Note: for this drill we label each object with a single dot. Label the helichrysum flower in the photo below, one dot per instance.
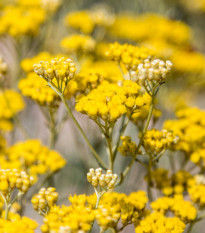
(32, 156)
(174, 204)
(13, 178)
(78, 44)
(156, 141)
(109, 101)
(19, 21)
(128, 147)
(58, 71)
(11, 103)
(100, 181)
(157, 222)
(37, 89)
(21, 225)
(74, 218)
(44, 200)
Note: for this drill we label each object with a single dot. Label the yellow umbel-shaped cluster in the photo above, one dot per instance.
(44, 200)
(157, 222)
(174, 204)
(128, 147)
(128, 55)
(58, 69)
(109, 101)
(13, 178)
(32, 156)
(156, 141)
(101, 181)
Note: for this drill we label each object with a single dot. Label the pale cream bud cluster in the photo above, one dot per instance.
(13, 178)
(3, 68)
(59, 68)
(103, 181)
(152, 70)
(44, 200)
(200, 179)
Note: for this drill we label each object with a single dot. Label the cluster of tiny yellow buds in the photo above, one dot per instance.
(128, 147)
(13, 178)
(130, 56)
(156, 141)
(151, 70)
(3, 68)
(174, 204)
(44, 200)
(59, 68)
(103, 181)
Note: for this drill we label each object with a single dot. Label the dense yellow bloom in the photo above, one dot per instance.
(80, 20)
(128, 147)
(86, 21)
(13, 178)
(158, 223)
(114, 207)
(11, 103)
(37, 89)
(44, 200)
(150, 26)
(79, 44)
(128, 55)
(196, 190)
(174, 184)
(21, 225)
(20, 21)
(32, 156)
(156, 141)
(109, 101)
(189, 127)
(57, 72)
(74, 218)
(175, 204)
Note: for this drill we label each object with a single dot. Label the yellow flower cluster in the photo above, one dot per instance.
(21, 225)
(189, 127)
(44, 200)
(156, 141)
(109, 101)
(37, 89)
(196, 190)
(114, 207)
(3, 68)
(158, 223)
(174, 204)
(128, 147)
(128, 55)
(32, 156)
(101, 181)
(87, 21)
(58, 70)
(176, 184)
(78, 217)
(198, 156)
(78, 44)
(160, 28)
(20, 21)
(13, 178)
(11, 103)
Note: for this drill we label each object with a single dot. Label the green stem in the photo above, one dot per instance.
(97, 157)
(53, 130)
